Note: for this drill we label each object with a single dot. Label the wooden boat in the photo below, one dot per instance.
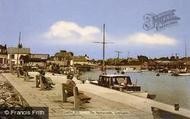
(122, 83)
(183, 72)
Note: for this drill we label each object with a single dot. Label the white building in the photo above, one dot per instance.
(15, 53)
(39, 56)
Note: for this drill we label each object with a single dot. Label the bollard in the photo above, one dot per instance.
(76, 98)
(64, 93)
(176, 107)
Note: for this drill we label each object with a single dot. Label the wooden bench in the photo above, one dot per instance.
(23, 74)
(79, 97)
(26, 76)
(43, 82)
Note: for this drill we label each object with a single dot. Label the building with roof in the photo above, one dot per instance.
(15, 53)
(39, 57)
(81, 60)
(63, 58)
(3, 54)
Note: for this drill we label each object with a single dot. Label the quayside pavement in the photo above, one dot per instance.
(105, 103)
(98, 108)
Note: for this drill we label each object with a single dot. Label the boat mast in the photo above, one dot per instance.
(186, 59)
(185, 49)
(103, 48)
(118, 54)
(104, 42)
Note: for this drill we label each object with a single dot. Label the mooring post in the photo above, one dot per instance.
(76, 98)
(176, 107)
(64, 93)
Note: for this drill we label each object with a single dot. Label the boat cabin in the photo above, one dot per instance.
(117, 81)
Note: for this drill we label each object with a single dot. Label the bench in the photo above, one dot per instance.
(23, 74)
(43, 82)
(79, 97)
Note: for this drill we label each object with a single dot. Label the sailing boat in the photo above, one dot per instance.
(183, 72)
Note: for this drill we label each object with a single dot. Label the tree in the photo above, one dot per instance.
(172, 58)
(142, 58)
(164, 58)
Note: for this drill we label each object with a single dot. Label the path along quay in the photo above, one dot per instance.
(104, 104)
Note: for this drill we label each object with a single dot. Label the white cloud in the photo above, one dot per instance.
(65, 32)
(150, 39)
(71, 32)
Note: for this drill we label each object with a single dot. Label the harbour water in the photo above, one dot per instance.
(168, 89)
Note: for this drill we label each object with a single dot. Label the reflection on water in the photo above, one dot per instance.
(168, 89)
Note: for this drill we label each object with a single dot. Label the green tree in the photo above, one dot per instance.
(142, 58)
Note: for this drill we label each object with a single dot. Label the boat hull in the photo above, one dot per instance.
(184, 74)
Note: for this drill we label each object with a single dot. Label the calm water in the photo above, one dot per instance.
(168, 89)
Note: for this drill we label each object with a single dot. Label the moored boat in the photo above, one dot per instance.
(182, 72)
(131, 70)
(121, 82)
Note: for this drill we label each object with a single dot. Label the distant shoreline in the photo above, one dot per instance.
(123, 66)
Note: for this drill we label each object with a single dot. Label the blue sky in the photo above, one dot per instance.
(48, 26)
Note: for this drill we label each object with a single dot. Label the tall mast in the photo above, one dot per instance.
(118, 53)
(185, 49)
(186, 59)
(19, 39)
(104, 48)
(104, 42)
(19, 45)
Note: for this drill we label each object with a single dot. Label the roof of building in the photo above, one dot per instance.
(80, 59)
(63, 54)
(15, 50)
(40, 56)
(3, 47)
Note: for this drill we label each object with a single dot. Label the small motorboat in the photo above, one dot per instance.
(131, 70)
(180, 73)
(121, 82)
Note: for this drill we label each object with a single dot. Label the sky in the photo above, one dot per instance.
(48, 26)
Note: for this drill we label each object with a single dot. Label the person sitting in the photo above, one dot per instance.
(71, 84)
(46, 81)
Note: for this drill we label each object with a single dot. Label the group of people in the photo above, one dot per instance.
(48, 82)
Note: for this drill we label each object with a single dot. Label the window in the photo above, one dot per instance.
(12, 56)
